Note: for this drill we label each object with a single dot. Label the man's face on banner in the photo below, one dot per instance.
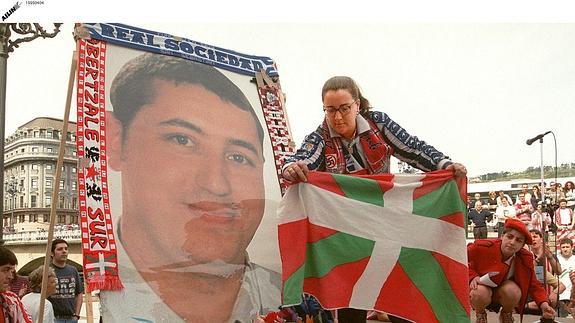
(192, 177)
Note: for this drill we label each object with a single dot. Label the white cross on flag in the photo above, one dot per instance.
(392, 243)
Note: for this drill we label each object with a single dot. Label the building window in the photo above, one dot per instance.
(35, 149)
(74, 169)
(49, 134)
(34, 218)
(36, 134)
(48, 183)
(74, 153)
(49, 167)
(21, 201)
(21, 218)
(74, 219)
(46, 218)
(34, 183)
(75, 203)
(61, 184)
(35, 167)
(49, 150)
(22, 167)
(32, 200)
(48, 201)
(61, 202)
(61, 218)
(74, 185)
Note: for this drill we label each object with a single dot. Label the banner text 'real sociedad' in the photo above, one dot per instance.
(176, 46)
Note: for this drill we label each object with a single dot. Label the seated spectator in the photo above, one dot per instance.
(502, 213)
(549, 269)
(32, 300)
(501, 275)
(479, 217)
(535, 196)
(569, 192)
(523, 210)
(554, 194)
(567, 262)
(564, 216)
(471, 203)
(503, 195)
(539, 218)
(492, 202)
(525, 192)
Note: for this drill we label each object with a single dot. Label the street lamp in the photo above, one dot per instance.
(12, 189)
(29, 32)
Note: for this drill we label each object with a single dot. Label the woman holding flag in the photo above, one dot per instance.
(355, 140)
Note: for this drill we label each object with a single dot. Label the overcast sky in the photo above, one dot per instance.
(475, 91)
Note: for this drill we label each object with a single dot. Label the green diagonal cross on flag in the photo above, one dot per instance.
(394, 243)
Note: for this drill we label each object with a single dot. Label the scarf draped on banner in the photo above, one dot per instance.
(98, 242)
(392, 243)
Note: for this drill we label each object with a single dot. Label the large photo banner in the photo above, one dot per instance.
(180, 144)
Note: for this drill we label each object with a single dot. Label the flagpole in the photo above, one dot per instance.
(59, 163)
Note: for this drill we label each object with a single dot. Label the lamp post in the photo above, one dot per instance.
(28, 32)
(12, 189)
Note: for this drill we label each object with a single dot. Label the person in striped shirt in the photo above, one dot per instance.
(355, 140)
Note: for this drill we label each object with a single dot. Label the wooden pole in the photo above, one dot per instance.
(56, 186)
(89, 305)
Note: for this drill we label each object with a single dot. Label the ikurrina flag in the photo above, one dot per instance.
(393, 243)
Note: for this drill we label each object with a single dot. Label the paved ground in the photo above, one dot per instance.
(494, 318)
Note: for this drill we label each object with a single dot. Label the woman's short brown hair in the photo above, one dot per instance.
(35, 278)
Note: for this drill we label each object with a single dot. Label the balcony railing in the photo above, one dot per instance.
(17, 155)
(27, 237)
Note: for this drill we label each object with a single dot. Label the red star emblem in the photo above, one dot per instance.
(91, 172)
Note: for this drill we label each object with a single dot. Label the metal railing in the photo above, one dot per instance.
(40, 236)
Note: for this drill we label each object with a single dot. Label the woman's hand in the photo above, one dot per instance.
(458, 168)
(296, 172)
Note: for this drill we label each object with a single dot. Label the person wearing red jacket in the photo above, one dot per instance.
(501, 274)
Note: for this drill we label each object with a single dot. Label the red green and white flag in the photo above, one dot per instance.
(392, 243)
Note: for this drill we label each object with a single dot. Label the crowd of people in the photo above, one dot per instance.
(540, 212)
(551, 210)
(20, 296)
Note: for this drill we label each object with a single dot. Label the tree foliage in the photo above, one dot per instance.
(564, 170)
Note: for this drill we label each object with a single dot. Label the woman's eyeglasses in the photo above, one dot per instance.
(343, 109)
